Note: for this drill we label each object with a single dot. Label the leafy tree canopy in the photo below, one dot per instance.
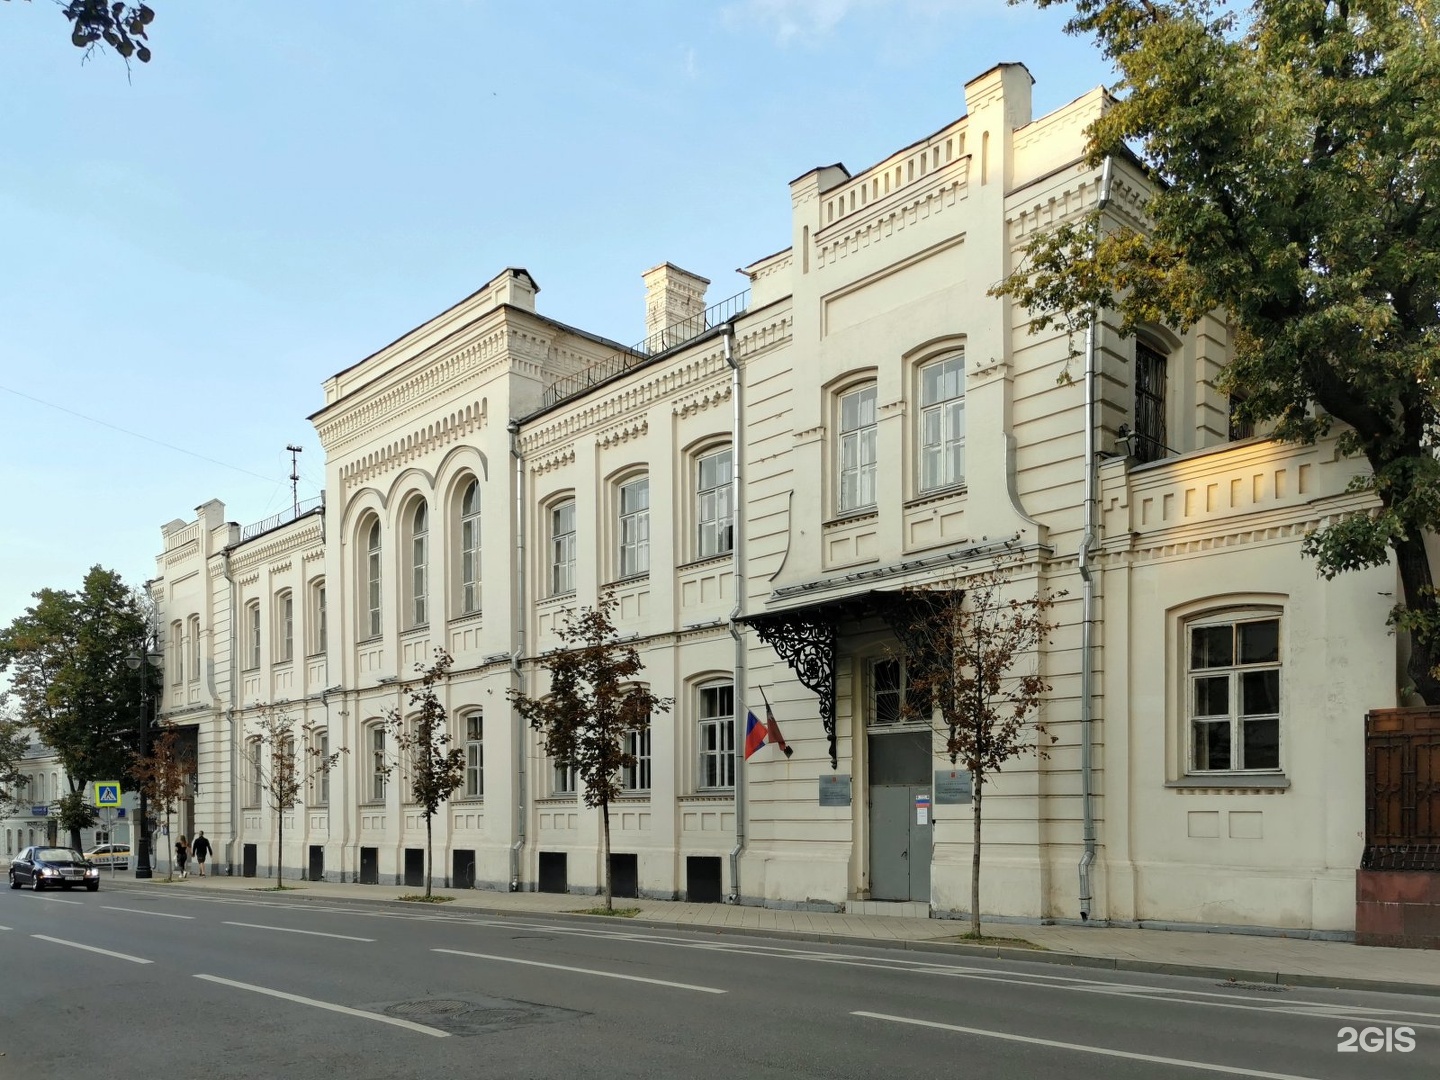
(1295, 148)
(119, 26)
(69, 681)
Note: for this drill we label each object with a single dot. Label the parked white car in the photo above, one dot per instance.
(108, 855)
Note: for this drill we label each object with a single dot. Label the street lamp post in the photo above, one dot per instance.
(142, 661)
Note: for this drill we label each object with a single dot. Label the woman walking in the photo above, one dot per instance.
(182, 852)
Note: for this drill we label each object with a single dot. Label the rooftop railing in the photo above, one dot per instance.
(249, 532)
(662, 341)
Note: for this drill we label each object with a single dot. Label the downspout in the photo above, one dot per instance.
(737, 555)
(234, 727)
(1087, 578)
(516, 674)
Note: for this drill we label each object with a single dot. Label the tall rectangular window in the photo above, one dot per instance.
(377, 764)
(635, 528)
(194, 648)
(857, 449)
(252, 768)
(253, 629)
(717, 736)
(419, 566)
(562, 779)
(372, 581)
(287, 626)
(317, 605)
(1234, 695)
(470, 549)
(562, 549)
(714, 510)
(636, 777)
(177, 654)
(474, 755)
(322, 780)
(942, 423)
(1150, 435)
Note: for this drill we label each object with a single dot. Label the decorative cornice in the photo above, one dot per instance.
(622, 433)
(699, 402)
(188, 550)
(460, 424)
(280, 544)
(559, 459)
(951, 184)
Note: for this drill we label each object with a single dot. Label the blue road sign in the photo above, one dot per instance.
(107, 793)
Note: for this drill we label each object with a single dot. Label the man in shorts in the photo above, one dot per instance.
(201, 850)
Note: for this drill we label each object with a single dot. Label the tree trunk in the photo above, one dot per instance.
(429, 855)
(975, 861)
(169, 850)
(1416, 582)
(279, 848)
(609, 895)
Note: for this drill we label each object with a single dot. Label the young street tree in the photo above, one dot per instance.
(593, 703)
(1293, 149)
(121, 26)
(163, 775)
(436, 770)
(965, 652)
(285, 771)
(70, 684)
(13, 743)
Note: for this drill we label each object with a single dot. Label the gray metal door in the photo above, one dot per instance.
(889, 843)
(919, 847)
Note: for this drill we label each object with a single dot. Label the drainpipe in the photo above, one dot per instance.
(1087, 578)
(516, 674)
(234, 727)
(737, 554)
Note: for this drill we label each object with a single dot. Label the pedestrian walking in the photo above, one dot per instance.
(182, 852)
(200, 848)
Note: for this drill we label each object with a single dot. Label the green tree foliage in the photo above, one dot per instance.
(971, 655)
(69, 681)
(13, 743)
(436, 769)
(287, 771)
(121, 27)
(594, 701)
(1295, 149)
(164, 775)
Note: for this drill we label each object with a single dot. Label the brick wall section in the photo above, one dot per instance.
(1398, 908)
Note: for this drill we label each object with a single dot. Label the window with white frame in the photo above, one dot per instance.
(378, 770)
(714, 503)
(372, 580)
(562, 548)
(857, 449)
(252, 630)
(474, 755)
(942, 423)
(634, 511)
(636, 776)
(321, 742)
(317, 616)
(194, 643)
(1150, 378)
(716, 714)
(470, 548)
(285, 615)
(562, 778)
(1233, 692)
(253, 780)
(177, 653)
(893, 701)
(419, 565)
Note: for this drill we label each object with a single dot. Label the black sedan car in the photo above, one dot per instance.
(47, 867)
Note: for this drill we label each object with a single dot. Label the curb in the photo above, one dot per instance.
(944, 948)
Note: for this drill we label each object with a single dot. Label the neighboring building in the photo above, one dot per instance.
(494, 468)
(30, 811)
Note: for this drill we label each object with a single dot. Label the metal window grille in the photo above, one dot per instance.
(1150, 431)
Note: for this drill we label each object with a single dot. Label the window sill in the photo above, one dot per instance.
(632, 797)
(556, 800)
(374, 639)
(1218, 782)
(717, 795)
(471, 800)
(724, 558)
(416, 630)
(850, 517)
(465, 617)
(937, 495)
(556, 598)
(633, 579)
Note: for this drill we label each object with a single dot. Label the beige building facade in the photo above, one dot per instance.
(757, 484)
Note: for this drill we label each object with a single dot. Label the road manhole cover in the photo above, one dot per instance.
(477, 1015)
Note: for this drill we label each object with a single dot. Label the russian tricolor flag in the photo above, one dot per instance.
(755, 732)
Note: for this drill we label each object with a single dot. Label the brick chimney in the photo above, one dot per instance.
(672, 296)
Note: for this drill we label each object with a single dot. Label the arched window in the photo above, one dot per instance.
(1150, 442)
(252, 630)
(942, 423)
(194, 648)
(716, 718)
(376, 764)
(474, 727)
(252, 770)
(177, 653)
(562, 548)
(285, 618)
(419, 565)
(634, 527)
(856, 450)
(372, 580)
(714, 503)
(470, 548)
(317, 616)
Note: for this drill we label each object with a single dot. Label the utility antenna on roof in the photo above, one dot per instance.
(295, 476)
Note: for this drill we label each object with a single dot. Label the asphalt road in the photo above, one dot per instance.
(144, 982)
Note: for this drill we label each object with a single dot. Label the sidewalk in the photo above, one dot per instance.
(1244, 957)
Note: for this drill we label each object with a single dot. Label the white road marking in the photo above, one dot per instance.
(583, 971)
(138, 911)
(4, 928)
(92, 948)
(288, 930)
(1105, 1051)
(396, 1021)
(55, 900)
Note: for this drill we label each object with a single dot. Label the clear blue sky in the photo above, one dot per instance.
(288, 186)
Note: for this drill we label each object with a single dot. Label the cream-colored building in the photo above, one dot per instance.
(757, 482)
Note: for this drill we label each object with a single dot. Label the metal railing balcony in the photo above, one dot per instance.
(249, 532)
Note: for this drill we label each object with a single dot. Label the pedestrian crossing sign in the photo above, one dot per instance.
(107, 793)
